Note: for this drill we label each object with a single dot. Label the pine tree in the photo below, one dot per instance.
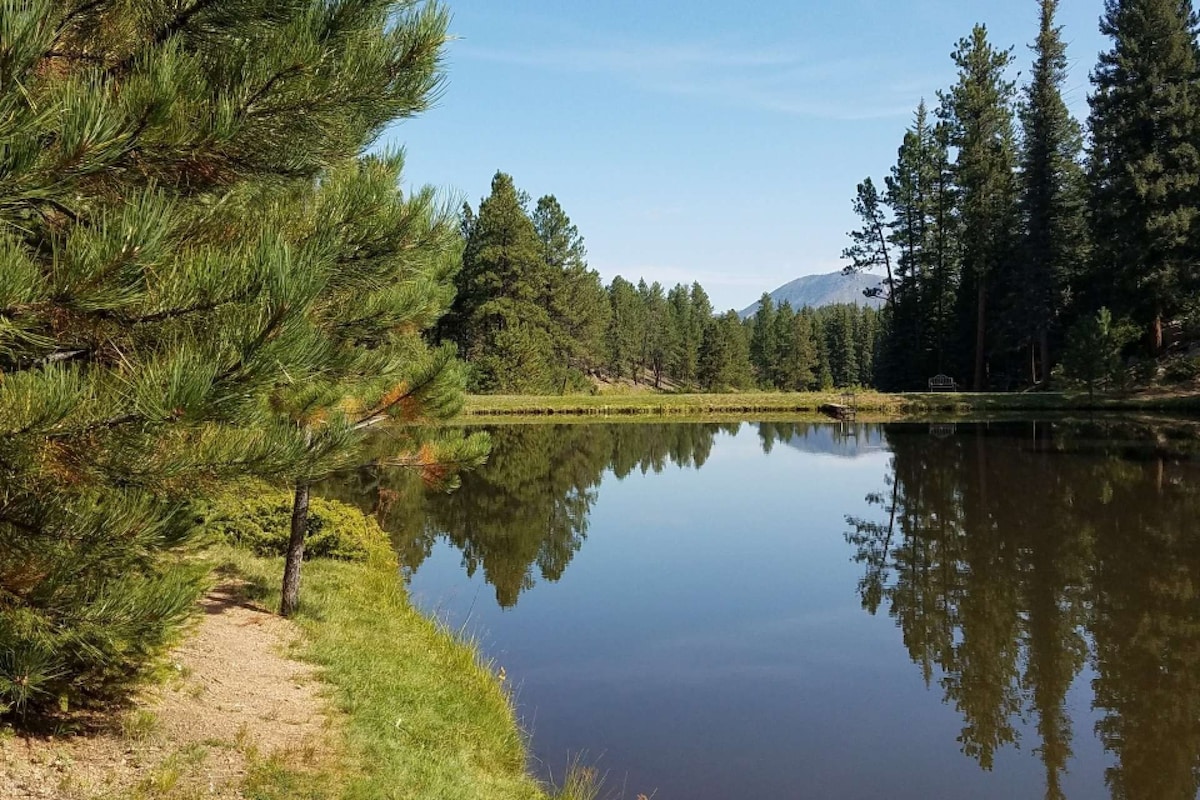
(576, 299)
(841, 345)
(1052, 196)
(764, 343)
(160, 277)
(912, 195)
(1145, 167)
(391, 264)
(683, 347)
(979, 111)
(656, 340)
(701, 320)
(869, 248)
(725, 355)
(946, 264)
(800, 363)
(499, 319)
(626, 330)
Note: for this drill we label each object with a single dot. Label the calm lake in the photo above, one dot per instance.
(765, 610)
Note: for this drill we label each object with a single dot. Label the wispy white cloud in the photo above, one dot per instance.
(787, 80)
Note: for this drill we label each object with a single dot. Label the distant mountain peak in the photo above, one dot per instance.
(815, 291)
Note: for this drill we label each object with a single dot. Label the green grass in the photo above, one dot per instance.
(426, 718)
(870, 404)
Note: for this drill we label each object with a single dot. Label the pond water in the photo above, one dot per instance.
(766, 610)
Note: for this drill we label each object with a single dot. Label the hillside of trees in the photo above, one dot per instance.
(1011, 242)
(530, 317)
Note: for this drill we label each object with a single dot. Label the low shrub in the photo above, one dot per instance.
(1181, 370)
(88, 599)
(260, 520)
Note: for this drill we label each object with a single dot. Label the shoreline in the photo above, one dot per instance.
(360, 695)
(872, 406)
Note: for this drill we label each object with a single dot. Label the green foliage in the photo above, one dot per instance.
(995, 246)
(979, 116)
(258, 519)
(1093, 352)
(185, 219)
(1145, 165)
(86, 642)
(1053, 199)
(765, 343)
(725, 355)
(626, 330)
(869, 245)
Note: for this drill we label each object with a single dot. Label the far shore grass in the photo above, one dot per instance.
(870, 404)
(426, 718)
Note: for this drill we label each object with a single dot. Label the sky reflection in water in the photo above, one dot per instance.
(784, 610)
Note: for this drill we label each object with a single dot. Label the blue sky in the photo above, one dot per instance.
(696, 140)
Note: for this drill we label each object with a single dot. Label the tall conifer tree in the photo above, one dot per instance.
(499, 318)
(979, 111)
(1052, 196)
(1145, 167)
(576, 300)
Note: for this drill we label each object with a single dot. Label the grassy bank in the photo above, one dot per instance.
(872, 404)
(425, 717)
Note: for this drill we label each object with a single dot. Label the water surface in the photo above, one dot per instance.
(774, 610)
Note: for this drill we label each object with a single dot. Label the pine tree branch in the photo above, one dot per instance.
(169, 314)
(21, 526)
(69, 55)
(70, 17)
(380, 414)
(262, 92)
(105, 425)
(59, 207)
(177, 24)
(263, 337)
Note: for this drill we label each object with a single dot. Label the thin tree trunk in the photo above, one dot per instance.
(295, 551)
(1156, 335)
(1044, 343)
(980, 335)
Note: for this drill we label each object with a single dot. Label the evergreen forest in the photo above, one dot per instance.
(530, 317)
(1017, 243)
(1016, 246)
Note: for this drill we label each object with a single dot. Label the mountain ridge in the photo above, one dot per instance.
(833, 288)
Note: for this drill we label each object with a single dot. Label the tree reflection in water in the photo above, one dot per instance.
(1010, 554)
(525, 513)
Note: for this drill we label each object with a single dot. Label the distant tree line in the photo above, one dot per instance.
(530, 317)
(999, 230)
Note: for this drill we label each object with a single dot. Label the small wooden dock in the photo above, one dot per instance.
(839, 412)
(846, 411)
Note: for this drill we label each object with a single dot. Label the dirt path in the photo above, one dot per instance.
(235, 699)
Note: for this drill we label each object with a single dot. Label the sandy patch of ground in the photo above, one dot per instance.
(235, 699)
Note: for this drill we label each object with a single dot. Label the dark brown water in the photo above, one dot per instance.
(1008, 610)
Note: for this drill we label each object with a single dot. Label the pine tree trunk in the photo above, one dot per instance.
(295, 552)
(980, 335)
(1156, 335)
(1044, 343)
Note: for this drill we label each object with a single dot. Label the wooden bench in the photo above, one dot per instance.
(942, 383)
